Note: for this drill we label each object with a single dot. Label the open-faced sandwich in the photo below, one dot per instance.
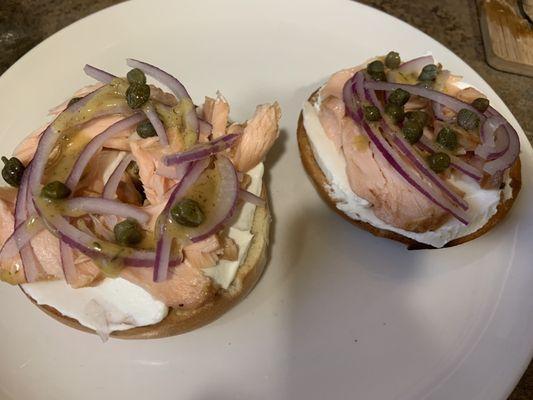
(135, 213)
(409, 152)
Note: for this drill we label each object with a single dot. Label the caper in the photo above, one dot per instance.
(376, 69)
(412, 131)
(73, 100)
(392, 60)
(136, 76)
(481, 104)
(128, 232)
(371, 113)
(418, 116)
(55, 190)
(137, 95)
(429, 73)
(188, 213)
(145, 129)
(399, 97)
(438, 162)
(395, 112)
(447, 138)
(467, 119)
(12, 171)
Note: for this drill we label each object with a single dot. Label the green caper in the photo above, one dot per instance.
(188, 213)
(137, 95)
(467, 119)
(412, 131)
(136, 76)
(128, 232)
(12, 171)
(55, 190)
(145, 129)
(74, 100)
(399, 97)
(371, 113)
(447, 138)
(418, 116)
(392, 60)
(376, 69)
(395, 112)
(481, 104)
(438, 162)
(429, 73)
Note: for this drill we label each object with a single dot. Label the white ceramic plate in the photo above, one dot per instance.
(338, 314)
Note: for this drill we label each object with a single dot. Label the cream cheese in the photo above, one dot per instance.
(483, 203)
(117, 304)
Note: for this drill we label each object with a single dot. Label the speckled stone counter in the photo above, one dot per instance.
(455, 23)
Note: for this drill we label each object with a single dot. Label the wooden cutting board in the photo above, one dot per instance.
(507, 35)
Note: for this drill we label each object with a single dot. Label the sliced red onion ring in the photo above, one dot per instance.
(202, 151)
(151, 114)
(390, 155)
(32, 268)
(225, 200)
(79, 206)
(251, 198)
(98, 74)
(22, 235)
(488, 130)
(67, 262)
(172, 83)
(415, 66)
(507, 159)
(164, 242)
(162, 257)
(439, 97)
(95, 144)
(467, 169)
(501, 145)
(111, 186)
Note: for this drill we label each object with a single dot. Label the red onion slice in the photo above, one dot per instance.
(439, 97)
(22, 235)
(251, 198)
(151, 114)
(427, 145)
(205, 128)
(95, 144)
(111, 186)
(225, 200)
(32, 269)
(394, 160)
(172, 83)
(507, 159)
(98, 74)
(164, 242)
(415, 66)
(79, 206)
(202, 151)
(67, 262)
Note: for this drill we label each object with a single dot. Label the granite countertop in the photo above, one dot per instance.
(455, 23)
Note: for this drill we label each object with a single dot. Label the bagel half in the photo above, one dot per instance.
(322, 186)
(180, 321)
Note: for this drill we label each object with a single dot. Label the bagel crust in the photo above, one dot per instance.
(180, 321)
(321, 185)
